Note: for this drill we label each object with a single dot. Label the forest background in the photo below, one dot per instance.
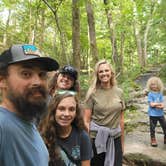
(131, 34)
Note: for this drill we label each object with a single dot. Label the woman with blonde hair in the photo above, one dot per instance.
(103, 116)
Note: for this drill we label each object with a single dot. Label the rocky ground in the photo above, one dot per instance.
(137, 148)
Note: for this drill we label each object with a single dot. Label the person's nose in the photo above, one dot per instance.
(66, 78)
(66, 112)
(105, 73)
(36, 79)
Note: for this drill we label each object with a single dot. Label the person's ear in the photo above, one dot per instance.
(2, 82)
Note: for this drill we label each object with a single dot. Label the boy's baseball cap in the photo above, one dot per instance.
(70, 70)
(26, 52)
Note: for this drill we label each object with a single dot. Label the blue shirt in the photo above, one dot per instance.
(155, 97)
(20, 142)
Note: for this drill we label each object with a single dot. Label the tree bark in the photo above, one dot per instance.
(142, 37)
(62, 40)
(92, 32)
(6, 29)
(114, 56)
(121, 53)
(31, 30)
(139, 44)
(76, 34)
(42, 25)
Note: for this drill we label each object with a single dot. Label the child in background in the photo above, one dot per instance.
(155, 109)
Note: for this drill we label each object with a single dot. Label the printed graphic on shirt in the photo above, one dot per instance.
(75, 155)
(76, 152)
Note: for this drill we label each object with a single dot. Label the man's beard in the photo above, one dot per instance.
(28, 107)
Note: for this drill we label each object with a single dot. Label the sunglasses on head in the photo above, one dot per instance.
(69, 69)
(61, 92)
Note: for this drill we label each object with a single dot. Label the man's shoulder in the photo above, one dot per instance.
(6, 119)
(3, 115)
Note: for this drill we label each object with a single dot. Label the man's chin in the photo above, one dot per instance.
(37, 98)
(28, 105)
(34, 112)
(33, 108)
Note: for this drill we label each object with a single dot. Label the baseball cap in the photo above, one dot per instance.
(26, 52)
(70, 70)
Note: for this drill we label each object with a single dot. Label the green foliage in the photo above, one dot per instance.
(127, 81)
(35, 16)
(162, 73)
(156, 59)
(126, 86)
(84, 82)
(129, 114)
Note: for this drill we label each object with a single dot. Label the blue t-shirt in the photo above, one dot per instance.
(155, 97)
(20, 142)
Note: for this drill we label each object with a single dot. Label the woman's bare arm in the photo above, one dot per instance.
(87, 118)
(85, 163)
(122, 129)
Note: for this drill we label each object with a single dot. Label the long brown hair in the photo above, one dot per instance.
(50, 130)
(52, 84)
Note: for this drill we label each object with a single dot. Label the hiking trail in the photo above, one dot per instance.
(137, 148)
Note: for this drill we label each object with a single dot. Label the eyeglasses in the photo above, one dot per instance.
(61, 92)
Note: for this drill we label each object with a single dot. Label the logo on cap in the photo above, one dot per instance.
(31, 50)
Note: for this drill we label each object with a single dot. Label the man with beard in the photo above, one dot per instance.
(23, 84)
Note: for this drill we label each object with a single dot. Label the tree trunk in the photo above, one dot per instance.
(42, 28)
(121, 53)
(31, 30)
(142, 37)
(114, 56)
(62, 40)
(92, 33)
(76, 34)
(145, 41)
(139, 44)
(6, 29)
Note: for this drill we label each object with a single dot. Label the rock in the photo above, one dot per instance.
(138, 142)
(137, 148)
